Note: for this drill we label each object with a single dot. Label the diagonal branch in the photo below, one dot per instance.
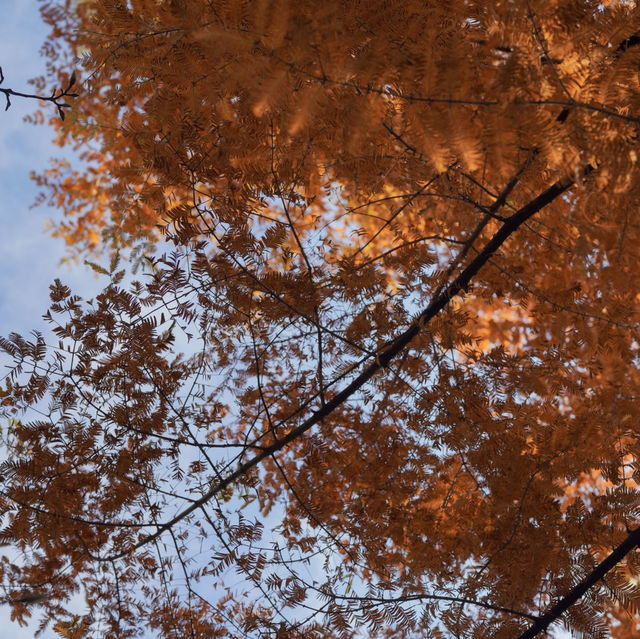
(556, 611)
(384, 357)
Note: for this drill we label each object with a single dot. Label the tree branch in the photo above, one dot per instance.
(555, 612)
(54, 98)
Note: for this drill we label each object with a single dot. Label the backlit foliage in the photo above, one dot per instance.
(387, 382)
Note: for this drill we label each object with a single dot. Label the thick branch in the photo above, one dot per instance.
(555, 612)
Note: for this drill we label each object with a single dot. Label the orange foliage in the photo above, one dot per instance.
(407, 256)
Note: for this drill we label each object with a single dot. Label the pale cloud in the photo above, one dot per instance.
(29, 258)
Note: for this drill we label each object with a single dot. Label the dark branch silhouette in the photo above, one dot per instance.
(56, 98)
(557, 610)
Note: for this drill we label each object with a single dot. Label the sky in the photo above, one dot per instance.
(29, 258)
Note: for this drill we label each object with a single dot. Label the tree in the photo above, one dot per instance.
(406, 260)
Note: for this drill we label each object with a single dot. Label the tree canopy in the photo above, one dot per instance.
(385, 381)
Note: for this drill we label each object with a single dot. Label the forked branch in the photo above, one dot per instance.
(56, 97)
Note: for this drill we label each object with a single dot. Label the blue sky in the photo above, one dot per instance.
(30, 258)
